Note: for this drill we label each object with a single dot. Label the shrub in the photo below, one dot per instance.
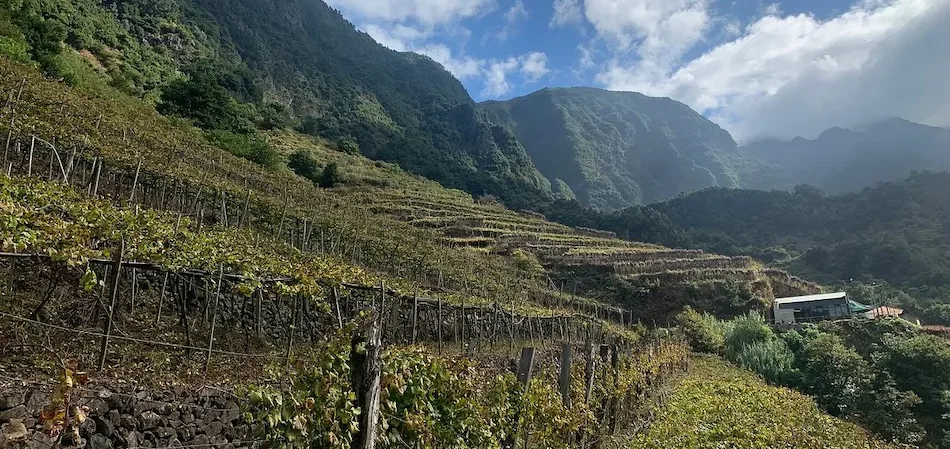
(745, 330)
(331, 176)
(704, 332)
(302, 163)
(14, 49)
(348, 145)
(252, 147)
(771, 358)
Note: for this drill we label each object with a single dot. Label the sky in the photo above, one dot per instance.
(757, 68)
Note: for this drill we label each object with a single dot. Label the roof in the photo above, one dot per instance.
(857, 307)
(807, 298)
(887, 311)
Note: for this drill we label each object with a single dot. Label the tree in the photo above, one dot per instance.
(331, 176)
(302, 163)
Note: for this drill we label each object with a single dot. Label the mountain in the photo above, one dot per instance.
(841, 160)
(400, 107)
(289, 63)
(616, 149)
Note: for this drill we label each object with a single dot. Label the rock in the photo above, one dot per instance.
(87, 428)
(132, 440)
(187, 418)
(12, 432)
(228, 431)
(148, 436)
(37, 401)
(232, 413)
(98, 441)
(174, 424)
(150, 420)
(214, 428)
(200, 423)
(201, 441)
(141, 406)
(165, 432)
(115, 418)
(18, 412)
(97, 407)
(29, 422)
(174, 443)
(104, 427)
(9, 401)
(39, 440)
(129, 423)
(174, 416)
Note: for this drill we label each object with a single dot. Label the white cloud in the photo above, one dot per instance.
(662, 29)
(772, 9)
(398, 37)
(531, 66)
(513, 19)
(431, 12)
(534, 66)
(517, 13)
(797, 75)
(566, 12)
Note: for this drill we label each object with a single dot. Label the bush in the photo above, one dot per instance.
(745, 330)
(772, 359)
(348, 145)
(703, 331)
(252, 147)
(302, 163)
(201, 99)
(331, 176)
(14, 49)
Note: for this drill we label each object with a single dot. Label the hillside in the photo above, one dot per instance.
(843, 160)
(296, 63)
(894, 233)
(615, 149)
(720, 405)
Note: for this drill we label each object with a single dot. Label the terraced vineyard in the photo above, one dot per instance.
(576, 260)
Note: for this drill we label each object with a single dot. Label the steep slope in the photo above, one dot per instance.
(842, 160)
(296, 56)
(720, 405)
(616, 149)
(400, 107)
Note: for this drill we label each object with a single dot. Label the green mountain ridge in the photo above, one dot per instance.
(616, 149)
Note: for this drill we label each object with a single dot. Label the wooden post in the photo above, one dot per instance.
(214, 314)
(29, 165)
(135, 181)
(293, 328)
(134, 286)
(589, 371)
(247, 202)
(564, 381)
(462, 331)
(415, 314)
(259, 326)
(336, 301)
(367, 371)
(95, 178)
(525, 366)
(440, 325)
(117, 266)
(161, 299)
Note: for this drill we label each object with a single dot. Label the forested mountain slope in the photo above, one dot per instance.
(239, 65)
(617, 149)
(840, 159)
(895, 232)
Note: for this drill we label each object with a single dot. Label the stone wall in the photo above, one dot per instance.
(174, 417)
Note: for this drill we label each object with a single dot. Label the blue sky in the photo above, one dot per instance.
(757, 68)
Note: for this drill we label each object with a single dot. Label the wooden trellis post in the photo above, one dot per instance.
(214, 315)
(367, 372)
(117, 266)
(564, 381)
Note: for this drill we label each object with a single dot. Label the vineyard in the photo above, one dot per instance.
(720, 405)
(387, 310)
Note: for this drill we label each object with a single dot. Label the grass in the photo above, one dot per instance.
(718, 405)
